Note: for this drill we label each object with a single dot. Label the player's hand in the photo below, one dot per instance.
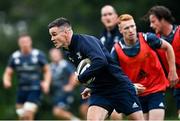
(86, 93)
(7, 84)
(68, 88)
(139, 88)
(45, 87)
(173, 78)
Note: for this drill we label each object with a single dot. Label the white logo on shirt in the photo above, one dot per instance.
(17, 61)
(79, 55)
(71, 59)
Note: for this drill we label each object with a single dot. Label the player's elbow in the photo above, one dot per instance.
(102, 63)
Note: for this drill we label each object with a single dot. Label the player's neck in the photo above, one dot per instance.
(109, 29)
(167, 29)
(26, 51)
(129, 42)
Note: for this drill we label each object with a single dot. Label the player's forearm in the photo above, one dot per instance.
(7, 78)
(171, 58)
(169, 55)
(47, 77)
(72, 80)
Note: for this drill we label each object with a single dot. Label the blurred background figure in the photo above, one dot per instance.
(111, 33)
(63, 83)
(110, 36)
(30, 66)
(162, 22)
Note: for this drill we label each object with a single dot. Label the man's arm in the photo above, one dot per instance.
(72, 83)
(172, 75)
(47, 78)
(92, 50)
(7, 77)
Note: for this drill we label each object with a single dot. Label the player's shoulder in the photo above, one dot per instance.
(63, 63)
(87, 37)
(16, 54)
(37, 52)
(148, 36)
(87, 40)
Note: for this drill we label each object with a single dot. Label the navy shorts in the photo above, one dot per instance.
(152, 101)
(177, 97)
(64, 101)
(123, 100)
(28, 96)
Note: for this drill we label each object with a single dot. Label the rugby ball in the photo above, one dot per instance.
(83, 65)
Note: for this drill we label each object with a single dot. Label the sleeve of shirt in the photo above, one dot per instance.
(11, 62)
(153, 41)
(114, 55)
(42, 59)
(92, 50)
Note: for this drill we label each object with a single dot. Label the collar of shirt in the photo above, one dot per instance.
(72, 44)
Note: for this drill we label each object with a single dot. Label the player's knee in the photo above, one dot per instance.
(27, 111)
(138, 115)
(20, 112)
(31, 107)
(57, 111)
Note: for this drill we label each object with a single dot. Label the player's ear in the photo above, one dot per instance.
(66, 30)
(120, 28)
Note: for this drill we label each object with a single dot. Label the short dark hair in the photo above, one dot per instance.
(23, 35)
(59, 22)
(161, 12)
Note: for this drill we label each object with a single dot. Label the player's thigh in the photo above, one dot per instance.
(116, 116)
(21, 96)
(138, 115)
(101, 101)
(96, 113)
(146, 116)
(156, 101)
(18, 106)
(126, 102)
(33, 101)
(34, 96)
(156, 114)
(64, 101)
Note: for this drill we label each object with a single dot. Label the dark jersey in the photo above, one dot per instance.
(109, 38)
(28, 67)
(106, 72)
(61, 73)
(170, 37)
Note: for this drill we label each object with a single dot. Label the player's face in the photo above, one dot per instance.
(109, 17)
(58, 36)
(25, 43)
(128, 30)
(155, 24)
(55, 55)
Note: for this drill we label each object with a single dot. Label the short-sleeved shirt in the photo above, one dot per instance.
(109, 38)
(61, 73)
(28, 68)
